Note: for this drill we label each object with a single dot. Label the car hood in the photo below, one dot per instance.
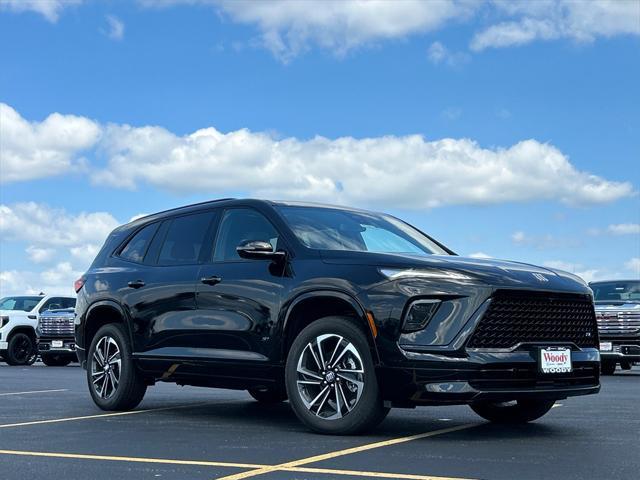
(13, 313)
(615, 306)
(499, 273)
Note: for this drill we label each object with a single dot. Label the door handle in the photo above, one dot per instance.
(211, 280)
(135, 284)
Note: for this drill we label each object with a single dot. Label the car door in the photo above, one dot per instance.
(161, 295)
(239, 299)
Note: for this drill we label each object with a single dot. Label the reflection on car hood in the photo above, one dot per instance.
(500, 273)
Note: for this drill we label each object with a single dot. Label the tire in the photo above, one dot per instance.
(21, 350)
(520, 411)
(607, 368)
(346, 403)
(120, 387)
(55, 360)
(268, 395)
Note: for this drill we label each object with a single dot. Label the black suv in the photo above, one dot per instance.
(344, 312)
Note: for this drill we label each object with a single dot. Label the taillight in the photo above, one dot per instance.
(79, 283)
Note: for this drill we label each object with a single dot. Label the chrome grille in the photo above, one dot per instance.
(618, 322)
(56, 326)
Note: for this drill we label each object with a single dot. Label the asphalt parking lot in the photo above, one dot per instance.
(49, 428)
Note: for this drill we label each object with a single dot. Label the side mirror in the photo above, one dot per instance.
(259, 250)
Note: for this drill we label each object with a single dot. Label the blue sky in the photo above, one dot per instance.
(505, 129)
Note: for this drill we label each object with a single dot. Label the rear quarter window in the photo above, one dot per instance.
(137, 246)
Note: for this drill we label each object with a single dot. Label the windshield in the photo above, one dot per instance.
(616, 291)
(25, 304)
(335, 229)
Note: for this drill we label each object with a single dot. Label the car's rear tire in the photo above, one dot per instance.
(52, 360)
(331, 380)
(518, 411)
(113, 379)
(607, 368)
(268, 395)
(21, 350)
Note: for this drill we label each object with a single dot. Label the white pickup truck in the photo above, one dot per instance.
(18, 323)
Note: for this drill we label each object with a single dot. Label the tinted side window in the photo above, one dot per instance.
(184, 239)
(240, 225)
(135, 250)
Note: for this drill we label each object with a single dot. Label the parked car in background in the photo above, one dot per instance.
(56, 342)
(18, 323)
(345, 312)
(618, 313)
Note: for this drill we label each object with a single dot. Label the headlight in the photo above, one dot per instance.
(4, 320)
(419, 314)
(393, 274)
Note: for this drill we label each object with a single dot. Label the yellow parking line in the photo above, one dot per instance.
(34, 391)
(78, 456)
(104, 415)
(347, 451)
(203, 463)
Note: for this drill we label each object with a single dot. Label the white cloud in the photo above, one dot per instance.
(624, 229)
(56, 280)
(39, 254)
(439, 54)
(387, 170)
(41, 225)
(33, 150)
(479, 255)
(69, 242)
(581, 21)
(543, 242)
(633, 265)
(290, 27)
(50, 9)
(116, 28)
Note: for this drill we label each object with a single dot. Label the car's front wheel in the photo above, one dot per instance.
(114, 382)
(516, 411)
(331, 380)
(607, 368)
(21, 350)
(55, 360)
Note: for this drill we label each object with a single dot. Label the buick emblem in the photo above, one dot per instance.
(540, 277)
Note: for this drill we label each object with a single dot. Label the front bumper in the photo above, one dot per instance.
(433, 379)
(46, 345)
(621, 350)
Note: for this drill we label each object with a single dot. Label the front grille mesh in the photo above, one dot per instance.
(56, 326)
(515, 317)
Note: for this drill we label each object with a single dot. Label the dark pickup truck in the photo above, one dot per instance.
(56, 342)
(618, 315)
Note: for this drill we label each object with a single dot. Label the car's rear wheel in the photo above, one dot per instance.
(268, 395)
(21, 350)
(607, 368)
(52, 360)
(331, 380)
(114, 381)
(516, 411)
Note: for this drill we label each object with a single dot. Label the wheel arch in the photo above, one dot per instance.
(314, 305)
(99, 314)
(28, 329)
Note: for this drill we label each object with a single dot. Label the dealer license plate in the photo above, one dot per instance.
(555, 360)
(606, 346)
(57, 344)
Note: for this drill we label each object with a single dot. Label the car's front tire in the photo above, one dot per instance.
(114, 381)
(607, 368)
(331, 380)
(21, 350)
(268, 395)
(517, 411)
(52, 360)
